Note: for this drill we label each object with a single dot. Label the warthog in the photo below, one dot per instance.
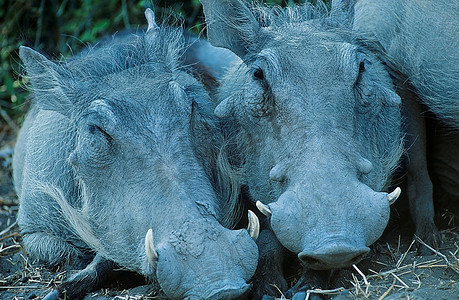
(320, 131)
(118, 162)
(421, 40)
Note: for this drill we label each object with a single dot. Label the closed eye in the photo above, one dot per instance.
(95, 129)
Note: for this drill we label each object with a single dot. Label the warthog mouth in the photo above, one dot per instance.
(338, 256)
(226, 291)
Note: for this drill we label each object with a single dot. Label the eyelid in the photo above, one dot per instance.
(101, 112)
(254, 67)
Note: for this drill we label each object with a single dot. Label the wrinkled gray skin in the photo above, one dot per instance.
(120, 140)
(320, 128)
(421, 40)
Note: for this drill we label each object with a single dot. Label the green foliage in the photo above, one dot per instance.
(61, 28)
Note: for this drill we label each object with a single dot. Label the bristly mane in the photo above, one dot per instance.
(282, 19)
(164, 46)
(278, 16)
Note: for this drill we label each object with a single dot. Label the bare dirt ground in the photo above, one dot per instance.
(392, 270)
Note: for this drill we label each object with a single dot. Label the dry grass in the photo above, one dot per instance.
(407, 273)
(29, 277)
(404, 272)
(33, 280)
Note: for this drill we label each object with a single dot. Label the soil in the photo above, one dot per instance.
(392, 270)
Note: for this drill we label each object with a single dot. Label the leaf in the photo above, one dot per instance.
(100, 26)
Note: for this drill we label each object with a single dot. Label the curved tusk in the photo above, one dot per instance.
(152, 255)
(254, 225)
(264, 209)
(392, 197)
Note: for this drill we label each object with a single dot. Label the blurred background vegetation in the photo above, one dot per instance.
(60, 28)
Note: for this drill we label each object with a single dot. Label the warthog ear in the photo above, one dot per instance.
(47, 82)
(231, 25)
(342, 13)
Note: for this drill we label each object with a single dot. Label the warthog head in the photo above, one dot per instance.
(144, 147)
(320, 122)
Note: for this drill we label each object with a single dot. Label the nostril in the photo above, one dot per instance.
(309, 261)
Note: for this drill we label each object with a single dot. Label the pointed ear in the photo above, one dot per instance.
(231, 25)
(48, 82)
(342, 13)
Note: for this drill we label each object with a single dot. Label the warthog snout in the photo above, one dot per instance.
(337, 225)
(207, 270)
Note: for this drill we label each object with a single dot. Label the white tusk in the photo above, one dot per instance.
(263, 208)
(254, 225)
(392, 197)
(152, 255)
